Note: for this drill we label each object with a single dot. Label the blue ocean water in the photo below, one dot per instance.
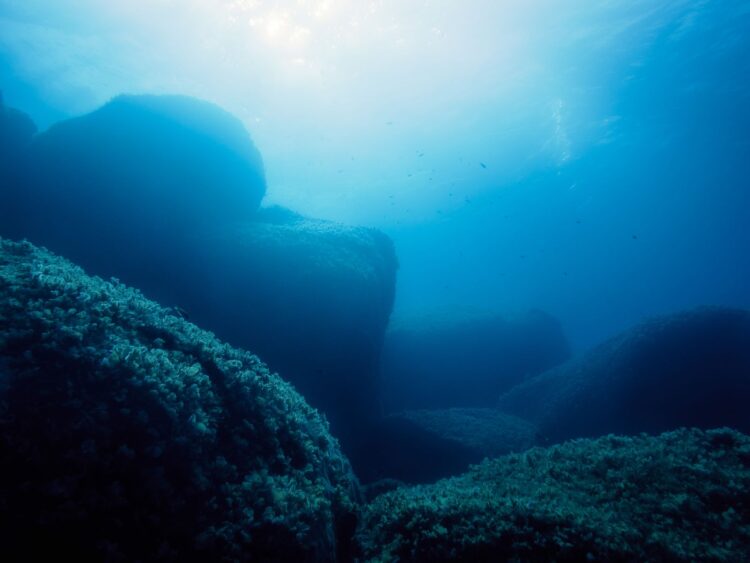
(458, 229)
(589, 161)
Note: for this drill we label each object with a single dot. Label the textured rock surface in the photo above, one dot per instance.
(688, 369)
(681, 496)
(127, 433)
(311, 298)
(465, 361)
(161, 192)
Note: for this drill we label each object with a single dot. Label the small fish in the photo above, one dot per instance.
(635, 237)
(483, 165)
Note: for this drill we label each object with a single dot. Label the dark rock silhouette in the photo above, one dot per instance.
(466, 362)
(127, 433)
(425, 445)
(138, 170)
(397, 448)
(16, 128)
(16, 132)
(687, 369)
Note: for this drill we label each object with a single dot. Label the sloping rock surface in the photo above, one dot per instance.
(681, 496)
(127, 433)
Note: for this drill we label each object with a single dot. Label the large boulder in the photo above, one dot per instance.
(437, 362)
(127, 434)
(687, 369)
(311, 297)
(681, 496)
(137, 170)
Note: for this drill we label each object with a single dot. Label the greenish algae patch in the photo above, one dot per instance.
(128, 433)
(681, 496)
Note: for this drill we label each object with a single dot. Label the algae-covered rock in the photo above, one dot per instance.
(688, 369)
(127, 433)
(312, 298)
(446, 360)
(681, 496)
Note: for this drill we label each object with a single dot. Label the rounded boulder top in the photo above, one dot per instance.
(156, 161)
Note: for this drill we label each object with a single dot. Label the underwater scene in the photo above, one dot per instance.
(374, 281)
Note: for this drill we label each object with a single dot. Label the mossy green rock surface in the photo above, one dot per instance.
(681, 496)
(127, 433)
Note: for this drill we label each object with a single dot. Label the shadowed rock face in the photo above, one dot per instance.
(16, 131)
(425, 445)
(137, 170)
(689, 369)
(127, 433)
(438, 363)
(312, 298)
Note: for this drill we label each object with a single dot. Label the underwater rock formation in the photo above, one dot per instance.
(681, 496)
(466, 362)
(16, 130)
(127, 433)
(311, 298)
(136, 171)
(489, 432)
(162, 193)
(425, 445)
(687, 369)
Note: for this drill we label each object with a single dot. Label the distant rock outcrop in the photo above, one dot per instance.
(681, 496)
(488, 432)
(16, 132)
(688, 369)
(139, 169)
(437, 363)
(127, 434)
(425, 445)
